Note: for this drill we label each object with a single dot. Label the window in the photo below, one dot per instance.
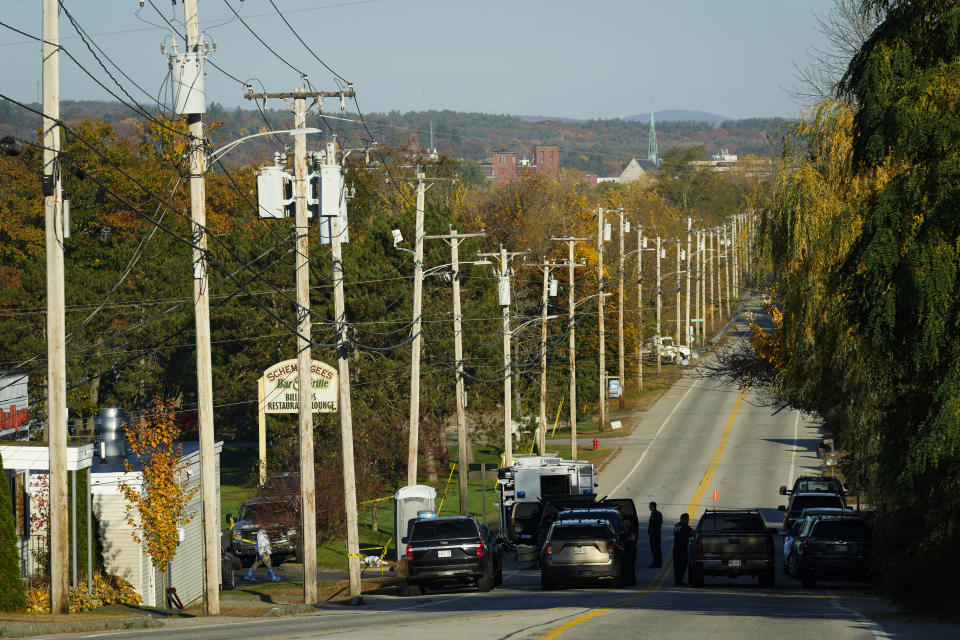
(581, 532)
(443, 530)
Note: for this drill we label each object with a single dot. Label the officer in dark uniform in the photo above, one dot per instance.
(681, 542)
(653, 530)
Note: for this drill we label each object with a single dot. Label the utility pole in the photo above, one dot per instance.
(572, 335)
(726, 266)
(659, 307)
(640, 306)
(687, 332)
(304, 358)
(201, 301)
(711, 239)
(545, 268)
(414, 442)
(676, 341)
(56, 310)
(602, 368)
(735, 245)
(697, 264)
(454, 240)
(346, 412)
(702, 265)
(503, 294)
(620, 369)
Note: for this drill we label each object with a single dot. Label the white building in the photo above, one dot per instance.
(121, 554)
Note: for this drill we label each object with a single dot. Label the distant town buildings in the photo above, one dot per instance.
(506, 166)
(722, 161)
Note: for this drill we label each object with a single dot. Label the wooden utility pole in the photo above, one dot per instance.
(414, 442)
(571, 264)
(602, 368)
(687, 331)
(701, 266)
(640, 251)
(698, 302)
(676, 340)
(503, 295)
(201, 301)
(712, 254)
(659, 308)
(545, 268)
(726, 266)
(620, 370)
(454, 239)
(56, 322)
(304, 358)
(346, 412)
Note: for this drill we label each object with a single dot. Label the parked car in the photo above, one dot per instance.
(623, 526)
(278, 516)
(836, 547)
(581, 549)
(451, 550)
(801, 501)
(798, 529)
(732, 543)
(816, 484)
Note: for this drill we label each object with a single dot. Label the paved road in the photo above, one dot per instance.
(700, 438)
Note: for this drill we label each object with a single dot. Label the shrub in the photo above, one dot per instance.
(12, 597)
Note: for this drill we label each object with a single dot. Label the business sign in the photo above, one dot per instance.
(614, 387)
(281, 388)
(14, 404)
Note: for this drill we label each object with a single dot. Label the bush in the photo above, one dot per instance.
(12, 597)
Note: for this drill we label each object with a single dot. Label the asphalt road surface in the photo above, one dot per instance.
(700, 439)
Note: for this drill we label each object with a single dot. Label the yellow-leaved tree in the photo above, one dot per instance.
(157, 507)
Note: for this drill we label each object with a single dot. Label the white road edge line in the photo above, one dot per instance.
(656, 435)
(793, 456)
(872, 626)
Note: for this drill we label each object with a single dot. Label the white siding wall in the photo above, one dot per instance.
(186, 569)
(121, 554)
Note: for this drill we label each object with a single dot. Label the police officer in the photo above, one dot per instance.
(653, 531)
(681, 542)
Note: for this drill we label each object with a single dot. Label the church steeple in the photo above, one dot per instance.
(653, 154)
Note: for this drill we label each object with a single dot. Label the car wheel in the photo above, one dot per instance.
(484, 584)
(235, 562)
(414, 590)
(791, 565)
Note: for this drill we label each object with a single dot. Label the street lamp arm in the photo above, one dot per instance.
(224, 150)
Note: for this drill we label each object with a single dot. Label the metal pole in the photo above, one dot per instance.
(414, 444)
(696, 264)
(620, 318)
(640, 306)
(201, 301)
(602, 365)
(687, 329)
(56, 346)
(571, 265)
(458, 362)
(676, 340)
(262, 429)
(346, 413)
(304, 358)
(659, 307)
(543, 358)
(507, 392)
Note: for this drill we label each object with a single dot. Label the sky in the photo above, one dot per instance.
(560, 58)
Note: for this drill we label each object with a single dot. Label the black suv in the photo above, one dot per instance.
(817, 484)
(801, 501)
(443, 551)
(835, 548)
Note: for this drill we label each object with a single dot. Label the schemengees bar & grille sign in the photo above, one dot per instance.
(281, 382)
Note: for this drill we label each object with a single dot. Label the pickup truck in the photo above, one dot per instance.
(732, 543)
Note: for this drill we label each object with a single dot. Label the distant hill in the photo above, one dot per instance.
(600, 146)
(680, 115)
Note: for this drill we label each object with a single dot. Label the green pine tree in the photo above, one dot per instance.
(12, 596)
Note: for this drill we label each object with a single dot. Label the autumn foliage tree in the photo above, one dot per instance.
(157, 507)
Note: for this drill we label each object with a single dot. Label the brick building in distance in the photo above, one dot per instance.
(506, 166)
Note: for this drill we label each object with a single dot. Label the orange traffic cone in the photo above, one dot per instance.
(714, 495)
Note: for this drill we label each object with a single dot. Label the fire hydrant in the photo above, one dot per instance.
(596, 444)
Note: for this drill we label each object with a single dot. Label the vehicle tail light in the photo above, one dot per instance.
(815, 546)
(612, 546)
(409, 553)
(481, 550)
(547, 549)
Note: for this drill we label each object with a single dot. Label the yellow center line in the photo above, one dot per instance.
(655, 584)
